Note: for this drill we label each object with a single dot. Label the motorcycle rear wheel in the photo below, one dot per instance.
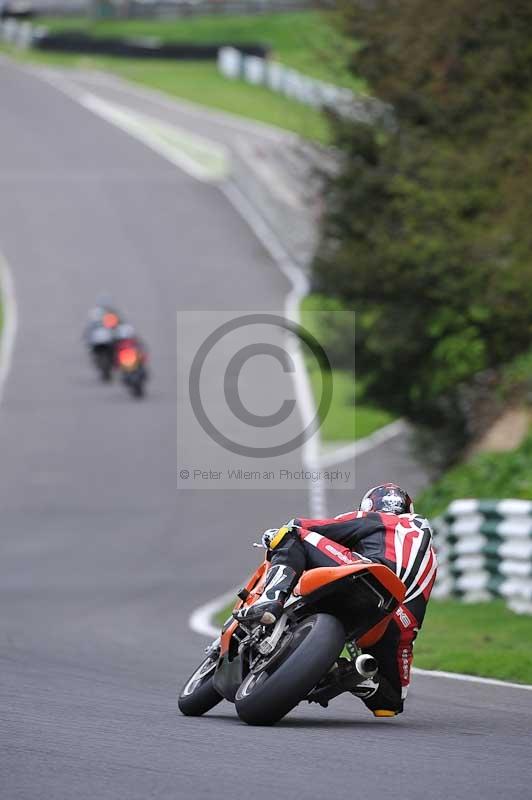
(266, 697)
(198, 695)
(137, 389)
(104, 363)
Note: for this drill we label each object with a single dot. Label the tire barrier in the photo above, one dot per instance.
(485, 550)
(18, 33)
(235, 63)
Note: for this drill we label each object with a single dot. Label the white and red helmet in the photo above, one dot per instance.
(388, 498)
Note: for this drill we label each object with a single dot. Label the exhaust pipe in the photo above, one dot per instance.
(366, 665)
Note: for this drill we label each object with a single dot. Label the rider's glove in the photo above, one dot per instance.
(274, 536)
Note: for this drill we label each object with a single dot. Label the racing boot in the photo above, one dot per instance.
(267, 609)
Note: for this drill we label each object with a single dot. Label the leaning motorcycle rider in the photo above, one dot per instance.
(385, 530)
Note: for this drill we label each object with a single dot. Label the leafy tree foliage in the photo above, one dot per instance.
(427, 232)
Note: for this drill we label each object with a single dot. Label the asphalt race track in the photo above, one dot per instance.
(102, 560)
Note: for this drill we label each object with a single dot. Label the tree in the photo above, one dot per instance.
(426, 232)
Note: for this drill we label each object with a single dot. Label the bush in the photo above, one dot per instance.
(488, 476)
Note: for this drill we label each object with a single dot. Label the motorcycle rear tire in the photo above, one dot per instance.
(137, 389)
(104, 362)
(264, 699)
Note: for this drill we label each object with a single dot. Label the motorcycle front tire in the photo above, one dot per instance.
(198, 695)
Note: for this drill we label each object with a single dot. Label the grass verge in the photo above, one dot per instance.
(486, 476)
(200, 83)
(350, 417)
(305, 40)
(483, 639)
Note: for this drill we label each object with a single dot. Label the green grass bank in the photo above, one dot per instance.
(350, 416)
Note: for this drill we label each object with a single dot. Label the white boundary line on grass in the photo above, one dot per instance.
(201, 622)
(10, 321)
(357, 448)
(310, 449)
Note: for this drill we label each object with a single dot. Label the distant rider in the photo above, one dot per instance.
(384, 530)
(125, 337)
(101, 326)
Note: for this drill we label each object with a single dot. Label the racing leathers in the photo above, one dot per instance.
(401, 542)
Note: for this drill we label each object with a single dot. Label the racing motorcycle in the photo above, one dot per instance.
(267, 671)
(131, 364)
(99, 337)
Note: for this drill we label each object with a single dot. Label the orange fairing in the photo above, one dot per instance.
(254, 586)
(225, 639)
(320, 576)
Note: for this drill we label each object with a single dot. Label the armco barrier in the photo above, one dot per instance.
(485, 550)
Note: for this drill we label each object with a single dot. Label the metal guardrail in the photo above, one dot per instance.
(485, 550)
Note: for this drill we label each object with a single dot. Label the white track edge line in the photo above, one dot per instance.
(10, 321)
(357, 448)
(184, 106)
(310, 448)
(200, 621)
(460, 676)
